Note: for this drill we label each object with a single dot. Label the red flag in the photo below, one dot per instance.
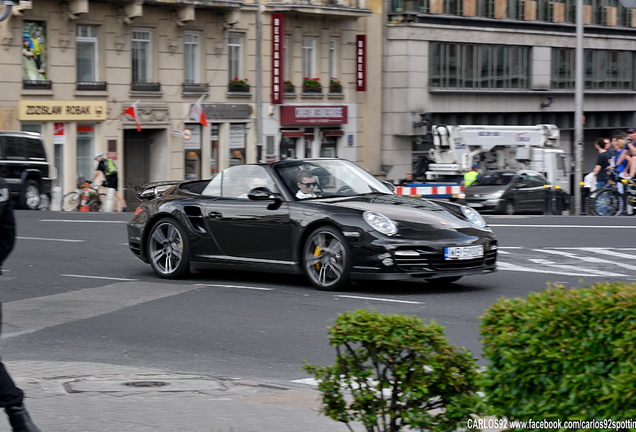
(132, 111)
(197, 113)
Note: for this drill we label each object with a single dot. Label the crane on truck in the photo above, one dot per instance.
(456, 148)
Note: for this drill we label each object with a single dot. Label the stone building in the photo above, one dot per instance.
(128, 77)
(503, 62)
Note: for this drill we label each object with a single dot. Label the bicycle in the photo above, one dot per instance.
(73, 200)
(610, 200)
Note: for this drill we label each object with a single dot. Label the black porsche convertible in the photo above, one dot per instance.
(326, 218)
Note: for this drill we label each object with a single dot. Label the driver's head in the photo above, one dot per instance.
(306, 182)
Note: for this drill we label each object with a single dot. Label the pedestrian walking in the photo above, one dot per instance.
(11, 397)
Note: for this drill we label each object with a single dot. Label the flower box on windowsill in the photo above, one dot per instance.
(335, 89)
(238, 88)
(312, 89)
(289, 89)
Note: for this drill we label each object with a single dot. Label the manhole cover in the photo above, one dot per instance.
(140, 385)
(146, 384)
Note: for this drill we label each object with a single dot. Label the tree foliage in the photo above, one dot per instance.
(395, 371)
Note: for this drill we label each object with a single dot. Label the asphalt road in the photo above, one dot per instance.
(72, 291)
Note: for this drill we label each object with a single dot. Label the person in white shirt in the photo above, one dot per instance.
(306, 183)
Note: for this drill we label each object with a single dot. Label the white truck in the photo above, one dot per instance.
(456, 148)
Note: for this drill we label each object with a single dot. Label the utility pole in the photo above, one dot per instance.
(579, 86)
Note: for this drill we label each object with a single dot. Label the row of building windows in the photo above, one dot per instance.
(473, 66)
(597, 12)
(35, 56)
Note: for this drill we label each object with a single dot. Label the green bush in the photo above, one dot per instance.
(561, 353)
(391, 371)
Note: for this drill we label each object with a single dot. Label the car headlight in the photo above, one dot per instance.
(461, 195)
(380, 223)
(473, 217)
(497, 194)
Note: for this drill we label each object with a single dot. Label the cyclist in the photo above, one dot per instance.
(108, 168)
(602, 161)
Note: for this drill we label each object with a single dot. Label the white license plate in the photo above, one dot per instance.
(474, 204)
(463, 252)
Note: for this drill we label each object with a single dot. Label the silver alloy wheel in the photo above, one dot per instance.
(510, 208)
(326, 259)
(168, 249)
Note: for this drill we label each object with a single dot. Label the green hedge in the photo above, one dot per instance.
(395, 371)
(562, 353)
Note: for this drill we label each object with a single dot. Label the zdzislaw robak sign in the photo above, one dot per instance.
(44, 110)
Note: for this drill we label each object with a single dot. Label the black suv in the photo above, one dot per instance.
(24, 166)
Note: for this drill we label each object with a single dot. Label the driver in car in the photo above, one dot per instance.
(306, 183)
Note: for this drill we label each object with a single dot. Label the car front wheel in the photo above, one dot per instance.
(327, 259)
(510, 208)
(169, 250)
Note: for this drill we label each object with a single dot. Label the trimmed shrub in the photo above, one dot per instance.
(395, 371)
(562, 353)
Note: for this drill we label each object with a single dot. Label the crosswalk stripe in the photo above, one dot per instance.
(585, 258)
(514, 267)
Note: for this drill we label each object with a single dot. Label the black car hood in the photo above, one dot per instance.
(416, 213)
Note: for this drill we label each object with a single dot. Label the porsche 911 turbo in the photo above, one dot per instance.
(326, 218)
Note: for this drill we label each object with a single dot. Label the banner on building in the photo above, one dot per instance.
(278, 37)
(361, 62)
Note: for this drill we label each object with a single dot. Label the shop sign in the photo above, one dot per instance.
(227, 111)
(59, 133)
(313, 115)
(61, 110)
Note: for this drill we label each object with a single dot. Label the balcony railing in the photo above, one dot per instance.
(37, 84)
(145, 86)
(91, 85)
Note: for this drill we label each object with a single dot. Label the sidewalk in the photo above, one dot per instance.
(93, 397)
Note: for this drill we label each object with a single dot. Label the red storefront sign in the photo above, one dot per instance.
(361, 62)
(313, 115)
(278, 32)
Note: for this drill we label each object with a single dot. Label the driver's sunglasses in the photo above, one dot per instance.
(311, 184)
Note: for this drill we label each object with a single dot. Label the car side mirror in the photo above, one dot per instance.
(262, 194)
(390, 185)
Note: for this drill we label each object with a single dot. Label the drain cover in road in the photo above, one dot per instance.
(150, 384)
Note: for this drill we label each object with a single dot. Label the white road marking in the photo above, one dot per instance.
(586, 259)
(99, 277)
(309, 381)
(378, 299)
(82, 221)
(237, 287)
(610, 252)
(34, 314)
(563, 226)
(51, 239)
(513, 267)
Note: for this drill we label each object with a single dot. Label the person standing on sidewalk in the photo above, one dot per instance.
(11, 397)
(109, 169)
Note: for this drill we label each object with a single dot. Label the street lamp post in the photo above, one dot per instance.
(579, 85)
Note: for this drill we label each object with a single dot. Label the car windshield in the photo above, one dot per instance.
(494, 178)
(328, 178)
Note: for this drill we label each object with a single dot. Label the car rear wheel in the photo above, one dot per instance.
(30, 198)
(168, 249)
(327, 259)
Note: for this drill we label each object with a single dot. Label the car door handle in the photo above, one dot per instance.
(214, 215)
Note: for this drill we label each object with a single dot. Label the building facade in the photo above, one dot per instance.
(130, 79)
(503, 62)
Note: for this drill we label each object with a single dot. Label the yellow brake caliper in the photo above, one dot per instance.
(317, 252)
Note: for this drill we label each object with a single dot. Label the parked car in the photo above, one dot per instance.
(507, 191)
(24, 166)
(354, 227)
